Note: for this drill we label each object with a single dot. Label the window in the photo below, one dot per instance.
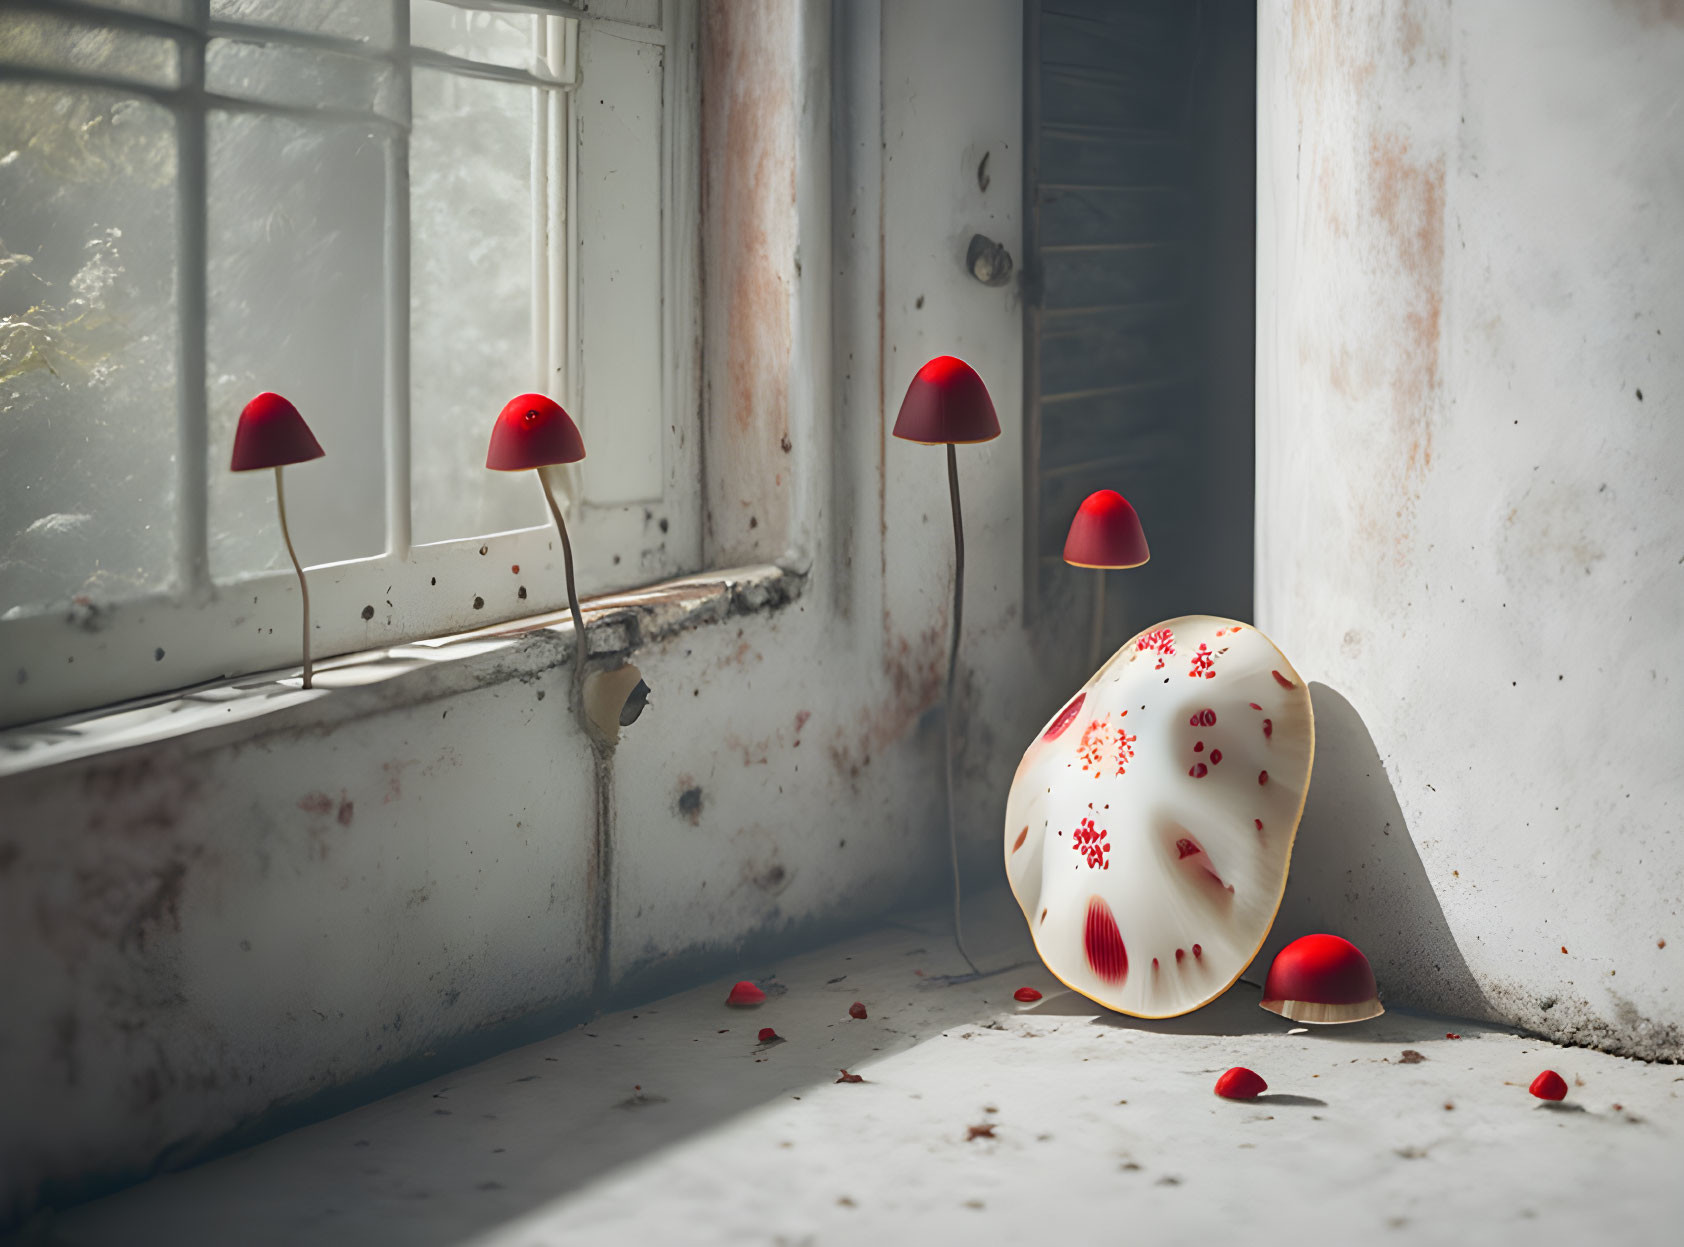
(398, 213)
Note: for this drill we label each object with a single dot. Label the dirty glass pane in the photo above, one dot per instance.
(52, 42)
(300, 77)
(87, 346)
(368, 21)
(471, 300)
(296, 305)
(507, 39)
(170, 10)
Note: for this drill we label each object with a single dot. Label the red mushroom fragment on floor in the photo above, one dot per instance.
(533, 433)
(768, 1035)
(1322, 979)
(1144, 879)
(1105, 535)
(271, 434)
(745, 995)
(1240, 1083)
(1549, 1085)
(857, 1011)
(947, 404)
(1028, 995)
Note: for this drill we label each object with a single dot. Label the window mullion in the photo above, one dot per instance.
(541, 242)
(192, 428)
(398, 532)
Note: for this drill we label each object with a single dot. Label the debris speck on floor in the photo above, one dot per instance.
(1078, 1122)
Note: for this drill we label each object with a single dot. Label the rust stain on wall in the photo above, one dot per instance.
(1374, 224)
(1409, 202)
(749, 269)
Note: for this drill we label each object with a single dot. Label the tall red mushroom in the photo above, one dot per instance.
(1105, 534)
(947, 404)
(271, 434)
(533, 432)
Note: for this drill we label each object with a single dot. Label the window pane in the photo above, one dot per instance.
(367, 20)
(84, 47)
(170, 10)
(300, 77)
(87, 346)
(496, 38)
(471, 300)
(296, 305)
(620, 283)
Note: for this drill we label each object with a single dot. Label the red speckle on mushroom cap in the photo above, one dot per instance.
(1240, 1083)
(1106, 533)
(532, 431)
(1549, 1085)
(1065, 718)
(947, 403)
(1321, 978)
(271, 434)
(744, 994)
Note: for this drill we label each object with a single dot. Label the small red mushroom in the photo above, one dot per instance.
(271, 434)
(533, 432)
(1240, 1083)
(948, 404)
(1549, 1085)
(856, 1010)
(744, 995)
(1322, 978)
(1104, 535)
(1028, 995)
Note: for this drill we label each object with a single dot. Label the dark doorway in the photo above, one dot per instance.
(1139, 310)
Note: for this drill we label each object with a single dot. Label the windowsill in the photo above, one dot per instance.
(352, 685)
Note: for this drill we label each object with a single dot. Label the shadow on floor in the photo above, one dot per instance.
(1356, 873)
(446, 1161)
(1237, 1012)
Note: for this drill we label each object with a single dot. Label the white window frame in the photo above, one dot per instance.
(89, 655)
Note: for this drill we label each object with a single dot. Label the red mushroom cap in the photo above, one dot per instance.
(947, 403)
(1322, 978)
(1106, 533)
(744, 994)
(1549, 1085)
(271, 434)
(532, 431)
(1240, 1083)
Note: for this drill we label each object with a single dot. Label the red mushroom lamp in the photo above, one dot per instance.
(1322, 978)
(948, 405)
(271, 434)
(1105, 535)
(533, 432)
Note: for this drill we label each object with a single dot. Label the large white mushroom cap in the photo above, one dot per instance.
(1150, 824)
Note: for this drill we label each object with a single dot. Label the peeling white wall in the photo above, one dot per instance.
(1470, 521)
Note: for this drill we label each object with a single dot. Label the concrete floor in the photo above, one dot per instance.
(1093, 1125)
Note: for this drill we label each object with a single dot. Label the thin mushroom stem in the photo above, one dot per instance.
(1097, 644)
(580, 644)
(303, 584)
(952, 678)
